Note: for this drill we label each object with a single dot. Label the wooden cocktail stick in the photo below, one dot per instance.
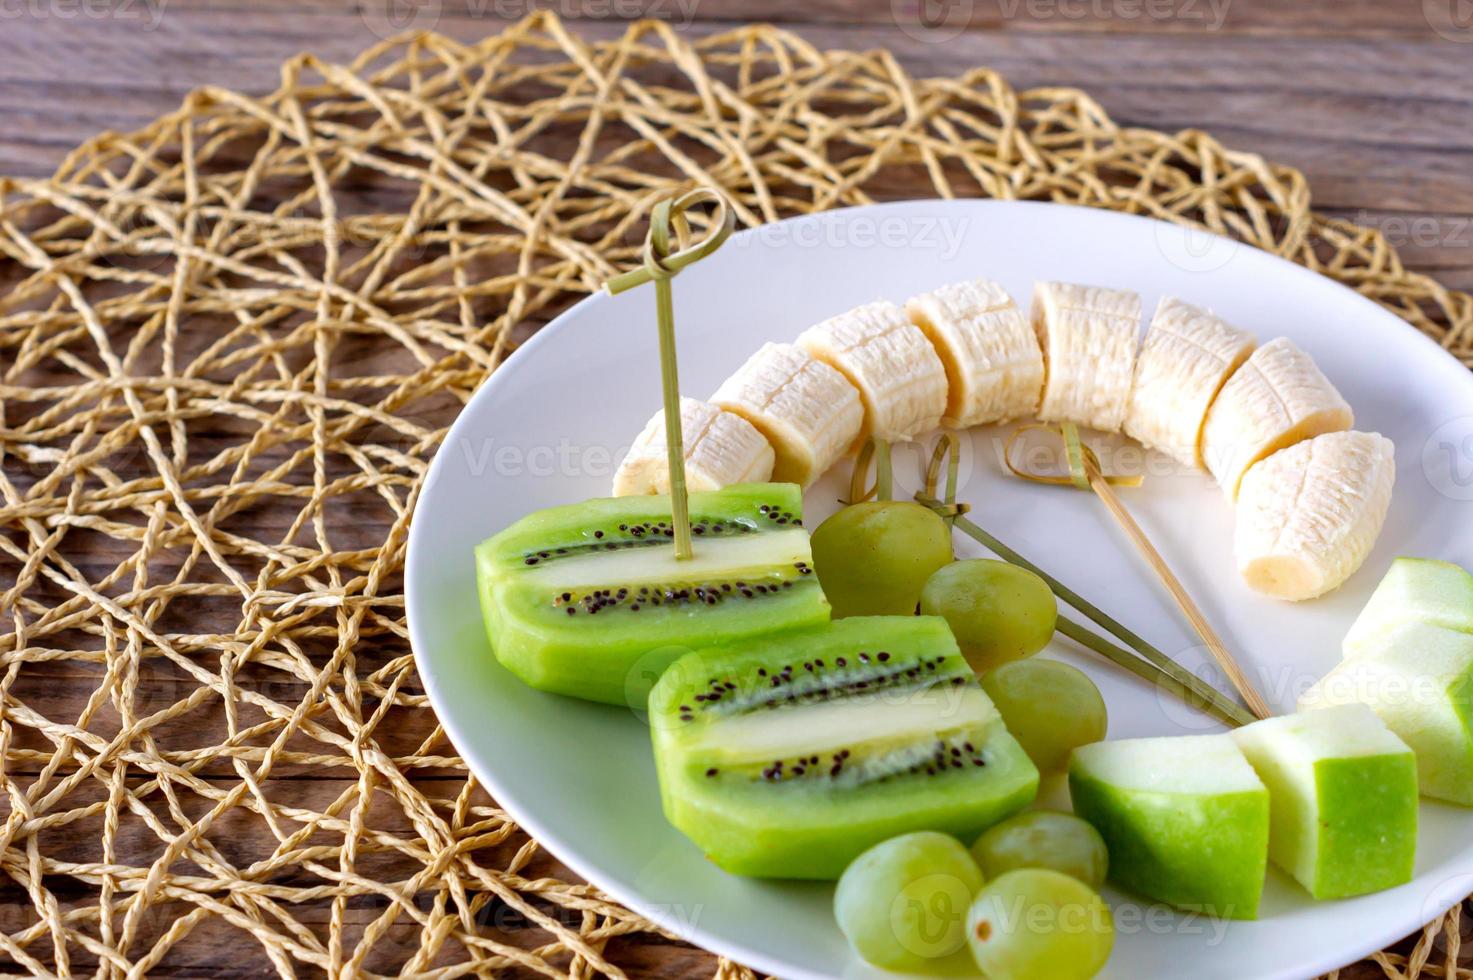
(1142, 659)
(1102, 489)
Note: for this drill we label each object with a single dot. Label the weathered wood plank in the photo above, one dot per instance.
(1382, 128)
(1365, 96)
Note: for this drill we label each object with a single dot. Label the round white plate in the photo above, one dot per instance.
(551, 425)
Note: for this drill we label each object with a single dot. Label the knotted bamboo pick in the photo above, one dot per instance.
(1086, 474)
(877, 452)
(660, 266)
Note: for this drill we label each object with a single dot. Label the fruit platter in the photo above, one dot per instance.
(1026, 591)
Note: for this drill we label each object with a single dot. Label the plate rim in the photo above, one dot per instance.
(568, 854)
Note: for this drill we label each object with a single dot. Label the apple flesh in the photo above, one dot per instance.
(1342, 798)
(1415, 590)
(1186, 819)
(1419, 680)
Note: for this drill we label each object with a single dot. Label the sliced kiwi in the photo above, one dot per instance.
(589, 600)
(787, 756)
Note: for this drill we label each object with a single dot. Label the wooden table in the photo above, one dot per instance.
(1365, 96)
(1370, 98)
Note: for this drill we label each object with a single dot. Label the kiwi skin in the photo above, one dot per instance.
(750, 823)
(615, 653)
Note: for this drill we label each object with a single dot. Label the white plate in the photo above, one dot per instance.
(550, 426)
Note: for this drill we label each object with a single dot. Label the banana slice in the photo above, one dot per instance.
(1187, 357)
(901, 380)
(1089, 336)
(720, 449)
(808, 411)
(1310, 514)
(1277, 398)
(994, 366)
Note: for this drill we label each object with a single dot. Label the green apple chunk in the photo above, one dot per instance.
(1419, 680)
(1186, 819)
(589, 599)
(1415, 590)
(1342, 798)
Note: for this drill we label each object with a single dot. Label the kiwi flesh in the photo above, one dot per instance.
(588, 600)
(787, 756)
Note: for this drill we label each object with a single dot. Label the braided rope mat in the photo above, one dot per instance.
(230, 342)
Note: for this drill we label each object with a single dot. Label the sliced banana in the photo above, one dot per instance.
(994, 366)
(1277, 398)
(1309, 515)
(1089, 336)
(1188, 355)
(808, 411)
(720, 449)
(900, 378)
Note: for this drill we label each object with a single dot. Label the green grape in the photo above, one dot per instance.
(999, 612)
(1044, 839)
(903, 903)
(873, 558)
(1050, 707)
(1036, 923)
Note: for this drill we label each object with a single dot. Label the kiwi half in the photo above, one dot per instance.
(589, 600)
(787, 756)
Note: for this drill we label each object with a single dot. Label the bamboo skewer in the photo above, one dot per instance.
(1172, 683)
(1146, 661)
(660, 266)
(1183, 599)
(1086, 474)
(1160, 665)
(876, 452)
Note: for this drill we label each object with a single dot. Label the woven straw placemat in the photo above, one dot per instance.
(229, 344)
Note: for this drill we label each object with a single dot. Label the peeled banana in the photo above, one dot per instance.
(1311, 496)
(1187, 357)
(900, 378)
(807, 410)
(994, 366)
(1276, 399)
(1089, 337)
(1309, 515)
(720, 449)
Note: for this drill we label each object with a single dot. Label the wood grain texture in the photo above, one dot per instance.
(1366, 97)
(1371, 98)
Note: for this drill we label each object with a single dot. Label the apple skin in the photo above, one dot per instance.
(1370, 843)
(1342, 799)
(1419, 680)
(1199, 852)
(1414, 590)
